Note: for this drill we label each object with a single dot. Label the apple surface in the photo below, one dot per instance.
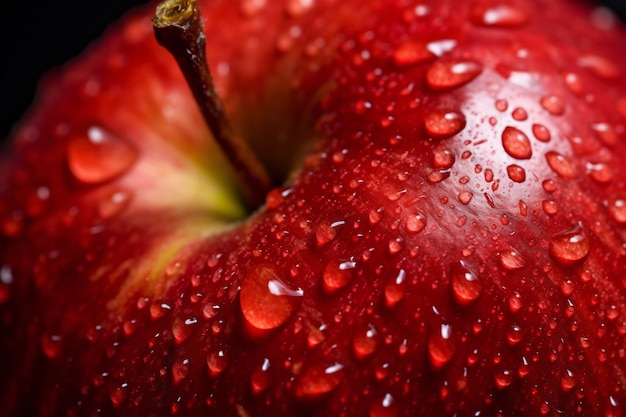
(445, 234)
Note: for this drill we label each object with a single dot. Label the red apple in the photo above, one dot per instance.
(448, 234)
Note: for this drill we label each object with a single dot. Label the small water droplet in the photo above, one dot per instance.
(600, 66)
(182, 329)
(299, 7)
(385, 407)
(376, 215)
(319, 380)
(365, 342)
(503, 379)
(600, 172)
(99, 155)
(51, 345)
(605, 132)
(395, 245)
(412, 52)
(516, 143)
(465, 197)
(267, 302)
(180, 370)
(561, 165)
(114, 203)
(502, 105)
(337, 275)
(441, 347)
(573, 82)
(216, 362)
(516, 173)
(570, 246)
(553, 104)
(447, 73)
(443, 158)
(118, 394)
(617, 209)
(250, 8)
(159, 309)
(519, 114)
(395, 290)
(514, 335)
(444, 123)
(511, 259)
(541, 132)
(498, 15)
(568, 381)
(465, 284)
(326, 232)
(260, 378)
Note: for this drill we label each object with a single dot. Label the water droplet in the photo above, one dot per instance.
(338, 275)
(465, 197)
(12, 224)
(441, 347)
(386, 407)
(412, 52)
(250, 8)
(299, 7)
(444, 123)
(180, 370)
(376, 215)
(541, 132)
(617, 210)
(182, 329)
(466, 287)
(561, 165)
(511, 259)
(99, 156)
(514, 335)
(503, 379)
(118, 394)
(600, 66)
(365, 342)
(447, 73)
(573, 82)
(114, 203)
(600, 172)
(443, 158)
(216, 362)
(502, 105)
(395, 290)
(568, 381)
(158, 310)
(519, 114)
(318, 380)
(260, 378)
(605, 132)
(498, 15)
(553, 104)
(51, 345)
(395, 245)
(516, 173)
(326, 232)
(570, 246)
(516, 143)
(267, 302)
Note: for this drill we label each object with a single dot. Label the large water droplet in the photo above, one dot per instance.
(444, 123)
(570, 246)
(498, 15)
(338, 275)
(441, 347)
(318, 380)
(561, 165)
(449, 73)
(443, 158)
(267, 302)
(516, 173)
(99, 156)
(516, 143)
(415, 223)
(465, 284)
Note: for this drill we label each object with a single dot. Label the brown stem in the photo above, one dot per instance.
(178, 28)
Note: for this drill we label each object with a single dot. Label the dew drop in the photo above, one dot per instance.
(444, 123)
(570, 246)
(600, 172)
(158, 310)
(250, 8)
(375, 215)
(600, 66)
(443, 158)
(617, 210)
(326, 232)
(395, 290)
(516, 173)
(465, 284)
(118, 394)
(516, 143)
(541, 132)
(502, 105)
(503, 379)
(519, 114)
(216, 362)
(51, 345)
(412, 53)
(605, 132)
(515, 302)
(441, 347)
(180, 370)
(449, 73)
(182, 329)
(553, 104)
(561, 165)
(511, 259)
(395, 245)
(573, 82)
(299, 7)
(267, 302)
(498, 15)
(386, 407)
(319, 380)
(99, 156)
(337, 275)
(568, 381)
(514, 335)
(365, 343)
(260, 378)
(465, 197)
(114, 203)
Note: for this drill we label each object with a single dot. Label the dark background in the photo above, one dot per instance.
(38, 35)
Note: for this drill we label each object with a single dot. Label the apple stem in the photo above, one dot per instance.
(178, 28)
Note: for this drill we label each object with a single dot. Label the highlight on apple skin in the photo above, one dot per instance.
(444, 234)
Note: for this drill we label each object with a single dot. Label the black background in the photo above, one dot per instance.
(38, 35)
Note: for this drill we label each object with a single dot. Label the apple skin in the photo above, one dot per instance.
(452, 242)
